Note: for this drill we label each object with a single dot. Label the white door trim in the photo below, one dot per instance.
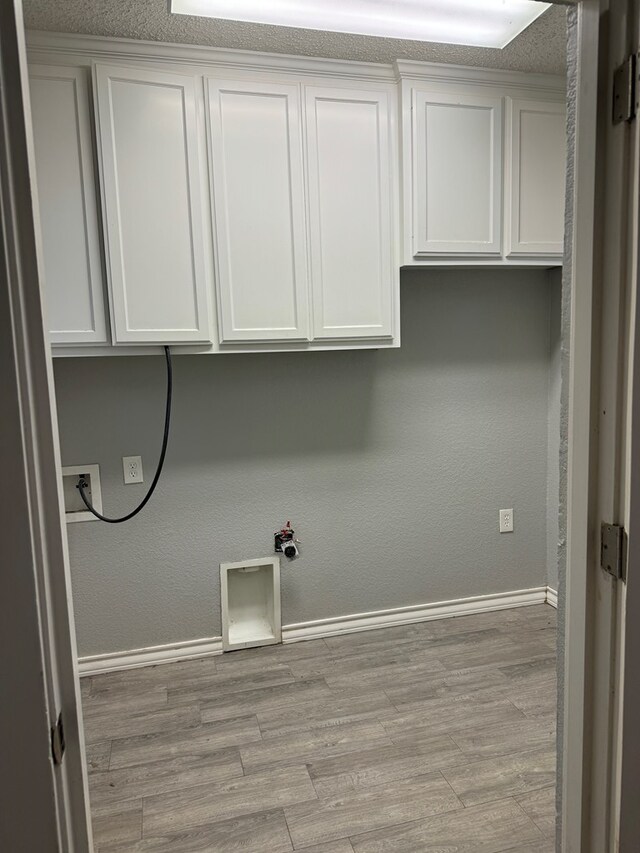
(602, 289)
(45, 807)
(581, 203)
(626, 737)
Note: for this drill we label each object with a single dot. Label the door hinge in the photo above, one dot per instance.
(612, 550)
(57, 741)
(626, 90)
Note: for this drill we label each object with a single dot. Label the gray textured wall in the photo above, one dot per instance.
(553, 426)
(392, 466)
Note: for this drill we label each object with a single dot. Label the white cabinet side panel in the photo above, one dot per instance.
(73, 275)
(457, 175)
(262, 282)
(351, 221)
(538, 167)
(151, 174)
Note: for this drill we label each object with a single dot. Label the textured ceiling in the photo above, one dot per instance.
(541, 47)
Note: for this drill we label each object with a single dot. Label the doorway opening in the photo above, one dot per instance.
(489, 357)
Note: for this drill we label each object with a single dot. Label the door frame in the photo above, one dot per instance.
(602, 263)
(46, 804)
(626, 755)
(580, 378)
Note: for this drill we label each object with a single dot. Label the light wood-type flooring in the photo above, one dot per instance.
(424, 738)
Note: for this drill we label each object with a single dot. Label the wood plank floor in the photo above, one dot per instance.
(432, 737)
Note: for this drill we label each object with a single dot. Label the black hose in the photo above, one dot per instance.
(82, 483)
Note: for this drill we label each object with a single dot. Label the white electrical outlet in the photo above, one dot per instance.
(506, 521)
(132, 469)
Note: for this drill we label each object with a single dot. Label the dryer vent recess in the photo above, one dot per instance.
(250, 603)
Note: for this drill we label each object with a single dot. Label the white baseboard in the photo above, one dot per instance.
(150, 656)
(417, 613)
(170, 653)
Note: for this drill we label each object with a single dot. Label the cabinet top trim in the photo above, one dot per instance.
(45, 46)
(411, 70)
(105, 48)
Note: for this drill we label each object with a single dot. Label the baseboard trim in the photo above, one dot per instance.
(150, 656)
(405, 615)
(190, 649)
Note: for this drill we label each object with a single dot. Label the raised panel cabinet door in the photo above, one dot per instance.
(350, 213)
(152, 171)
(538, 174)
(456, 174)
(66, 185)
(258, 193)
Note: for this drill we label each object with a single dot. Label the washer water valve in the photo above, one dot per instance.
(286, 542)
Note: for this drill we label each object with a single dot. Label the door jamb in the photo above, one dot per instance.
(36, 552)
(581, 219)
(599, 350)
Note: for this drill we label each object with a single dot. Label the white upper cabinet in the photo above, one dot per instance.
(456, 163)
(483, 166)
(353, 267)
(259, 216)
(537, 137)
(66, 185)
(259, 203)
(152, 156)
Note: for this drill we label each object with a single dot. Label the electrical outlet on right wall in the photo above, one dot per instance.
(506, 521)
(132, 469)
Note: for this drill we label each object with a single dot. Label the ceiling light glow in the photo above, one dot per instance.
(479, 23)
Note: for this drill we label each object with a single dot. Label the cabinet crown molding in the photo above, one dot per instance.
(45, 46)
(91, 48)
(430, 72)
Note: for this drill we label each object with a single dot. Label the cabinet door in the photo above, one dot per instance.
(457, 174)
(350, 213)
(152, 172)
(65, 180)
(256, 146)
(538, 175)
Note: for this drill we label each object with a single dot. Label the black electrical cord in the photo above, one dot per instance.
(82, 483)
